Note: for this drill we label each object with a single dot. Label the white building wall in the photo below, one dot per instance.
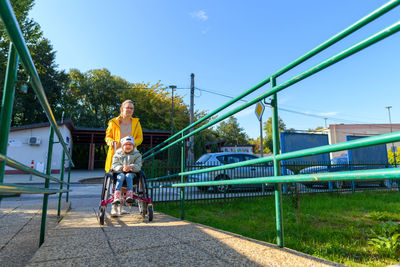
(338, 132)
(19, 149)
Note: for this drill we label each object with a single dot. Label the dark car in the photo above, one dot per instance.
(342, 164)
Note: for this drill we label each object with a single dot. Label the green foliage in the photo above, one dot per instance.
(268, 143)
(387, 239)
(199, 146)
(391, 157)
(232, 133)
(27, 109)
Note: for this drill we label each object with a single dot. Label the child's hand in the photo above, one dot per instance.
(127, 168)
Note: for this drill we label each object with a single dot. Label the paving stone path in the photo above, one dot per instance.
(79, 240)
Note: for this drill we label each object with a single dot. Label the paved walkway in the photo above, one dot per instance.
(75, 177)
(79, 240)
(20, 227)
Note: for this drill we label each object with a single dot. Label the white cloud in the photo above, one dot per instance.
(328, 114)
(201, 15)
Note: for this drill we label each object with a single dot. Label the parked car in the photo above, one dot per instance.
(342, 164)
(222, 158)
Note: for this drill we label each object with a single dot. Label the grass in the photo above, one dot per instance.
(335, 227)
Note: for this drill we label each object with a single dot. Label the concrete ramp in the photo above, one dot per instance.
(79, 240)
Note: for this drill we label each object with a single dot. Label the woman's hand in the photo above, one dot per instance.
(114, 144)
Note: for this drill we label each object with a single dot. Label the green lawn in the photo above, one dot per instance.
(335, 227)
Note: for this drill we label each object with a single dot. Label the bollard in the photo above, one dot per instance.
(32, 167)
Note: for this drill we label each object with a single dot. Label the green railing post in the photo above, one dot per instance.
(69, 179)
(62, 168)
(183, 158)
(46, 185)
(152, 175)
(277, 169)
(7, 104)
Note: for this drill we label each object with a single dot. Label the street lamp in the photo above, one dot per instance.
(172, 87)
(391, 130)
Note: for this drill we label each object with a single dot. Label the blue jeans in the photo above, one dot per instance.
(129, 181)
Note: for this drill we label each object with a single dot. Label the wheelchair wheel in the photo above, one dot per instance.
(144, 207)
(150, 210)
(105, 194)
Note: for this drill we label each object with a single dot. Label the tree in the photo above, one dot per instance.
(268, 143)
(93, 98)
(318, 129)
(153, 106)
(231, 132)
(27, 109)
(30, 30)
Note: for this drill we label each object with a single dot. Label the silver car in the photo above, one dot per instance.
(222, 158)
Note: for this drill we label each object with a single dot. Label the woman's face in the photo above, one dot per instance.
(127, 110)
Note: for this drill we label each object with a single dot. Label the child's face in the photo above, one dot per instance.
(128, 147)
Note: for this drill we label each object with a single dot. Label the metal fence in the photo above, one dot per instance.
(163, 191)
(179, 139)
(19, 51)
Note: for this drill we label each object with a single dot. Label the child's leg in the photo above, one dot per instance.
(129, 181)
(120, 181)
(129, 185)
(117, 193)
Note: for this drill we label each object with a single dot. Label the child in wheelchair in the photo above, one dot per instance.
(127, 162)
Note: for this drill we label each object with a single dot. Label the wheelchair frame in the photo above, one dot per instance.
(145, 203)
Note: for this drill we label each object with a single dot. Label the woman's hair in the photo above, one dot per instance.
(128, 101)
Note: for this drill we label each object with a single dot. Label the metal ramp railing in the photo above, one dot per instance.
(18, 51)
(180, 137)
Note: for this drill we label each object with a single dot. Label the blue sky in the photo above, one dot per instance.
(231, 46)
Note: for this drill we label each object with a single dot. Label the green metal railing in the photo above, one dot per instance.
(19, 51)
(276, 158)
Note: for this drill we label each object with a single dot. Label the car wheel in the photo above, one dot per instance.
(221, 188)
(338, 184)
(385, 183)
(308, 185)
(203, 189)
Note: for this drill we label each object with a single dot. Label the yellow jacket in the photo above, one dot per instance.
(113, 133)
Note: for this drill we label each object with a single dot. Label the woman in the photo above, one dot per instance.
(121, 126)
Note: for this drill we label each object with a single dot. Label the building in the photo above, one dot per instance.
(338, 133)
(29, 144)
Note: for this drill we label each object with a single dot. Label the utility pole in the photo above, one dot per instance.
(325, 122)
(191, 139)
(391, 130)
(172, 108)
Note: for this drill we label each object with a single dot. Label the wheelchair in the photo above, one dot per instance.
(140, 193)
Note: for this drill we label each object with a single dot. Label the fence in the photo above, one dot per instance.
(277, 179)
(163, 191)
(18, 50)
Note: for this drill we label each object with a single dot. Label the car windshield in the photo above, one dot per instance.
(339, 160)
(203, 158)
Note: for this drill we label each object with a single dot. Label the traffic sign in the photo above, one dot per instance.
(259, 110)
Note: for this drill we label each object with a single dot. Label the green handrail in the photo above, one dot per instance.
(276, 158)
(357, 143)
(376, 174)
(394, 28)
(18, 165)
(357, 25)
(19, 50)
(15, 188)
